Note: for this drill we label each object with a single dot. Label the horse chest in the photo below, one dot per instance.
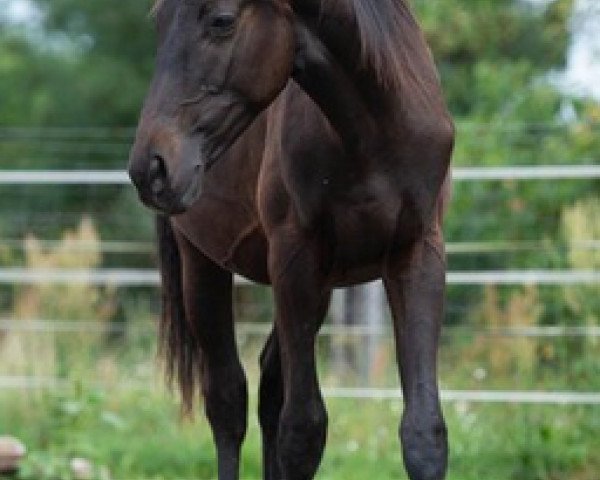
(363, 229)
(354, 215)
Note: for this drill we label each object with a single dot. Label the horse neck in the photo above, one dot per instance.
(364, 109)
(325, 80)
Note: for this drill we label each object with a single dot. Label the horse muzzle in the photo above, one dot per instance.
(161, 191)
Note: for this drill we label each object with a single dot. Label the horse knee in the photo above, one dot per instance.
(425, 447)
(226, 403)
(301, 443)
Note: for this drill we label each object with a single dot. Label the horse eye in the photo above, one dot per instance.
(222, 24)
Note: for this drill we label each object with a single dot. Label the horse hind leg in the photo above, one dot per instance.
(207, 298)
(415, 286)
(270, 405)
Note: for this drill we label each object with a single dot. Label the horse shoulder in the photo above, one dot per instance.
(303, 156)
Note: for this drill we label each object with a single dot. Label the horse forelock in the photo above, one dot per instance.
(389, 35)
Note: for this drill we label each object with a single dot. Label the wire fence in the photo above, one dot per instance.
(118, 177)
(120, 277)
(263, 329)
(127, 133)
(454, 396)
(452, 248)
(146, 277)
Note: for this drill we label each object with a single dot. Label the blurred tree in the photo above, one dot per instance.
(86, 64)
(491, 53)
(89, 62)
(95, 58)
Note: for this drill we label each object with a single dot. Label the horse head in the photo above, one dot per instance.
(219, 64)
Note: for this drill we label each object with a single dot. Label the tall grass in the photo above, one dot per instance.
(139, 435)
(115, 412)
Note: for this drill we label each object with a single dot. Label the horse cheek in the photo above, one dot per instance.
(269, 56)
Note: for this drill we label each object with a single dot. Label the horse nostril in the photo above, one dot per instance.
(158, 174)
(157, 166)
(158, 186)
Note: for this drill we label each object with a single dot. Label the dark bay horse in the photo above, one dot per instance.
(303, 144)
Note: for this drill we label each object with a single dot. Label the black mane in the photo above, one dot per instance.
(391, 41)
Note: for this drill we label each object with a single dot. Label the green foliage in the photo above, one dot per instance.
(89, 65)
(137, 435)
(491, 53)
(120, 30)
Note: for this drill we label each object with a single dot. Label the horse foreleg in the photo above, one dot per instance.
(415, 288)
(301, 302)
(207, 291)
(270, 404)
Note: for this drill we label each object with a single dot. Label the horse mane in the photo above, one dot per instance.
(391, 41)
(156, 7)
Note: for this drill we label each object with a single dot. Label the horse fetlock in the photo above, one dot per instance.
(312, 425)
(301, 442)
(231, 429)
(226, 405)
(425, 448)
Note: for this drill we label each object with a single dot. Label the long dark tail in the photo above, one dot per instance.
(178, 343)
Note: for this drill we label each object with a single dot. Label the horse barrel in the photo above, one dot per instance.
(11, 453)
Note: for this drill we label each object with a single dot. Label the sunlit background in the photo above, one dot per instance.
(520, 356)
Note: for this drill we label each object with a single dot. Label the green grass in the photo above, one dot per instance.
(139, 435)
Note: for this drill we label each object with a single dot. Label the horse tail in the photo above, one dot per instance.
(178, 344)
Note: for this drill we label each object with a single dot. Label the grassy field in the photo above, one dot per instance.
(139, 435)
(122, 419)
(115, 412)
